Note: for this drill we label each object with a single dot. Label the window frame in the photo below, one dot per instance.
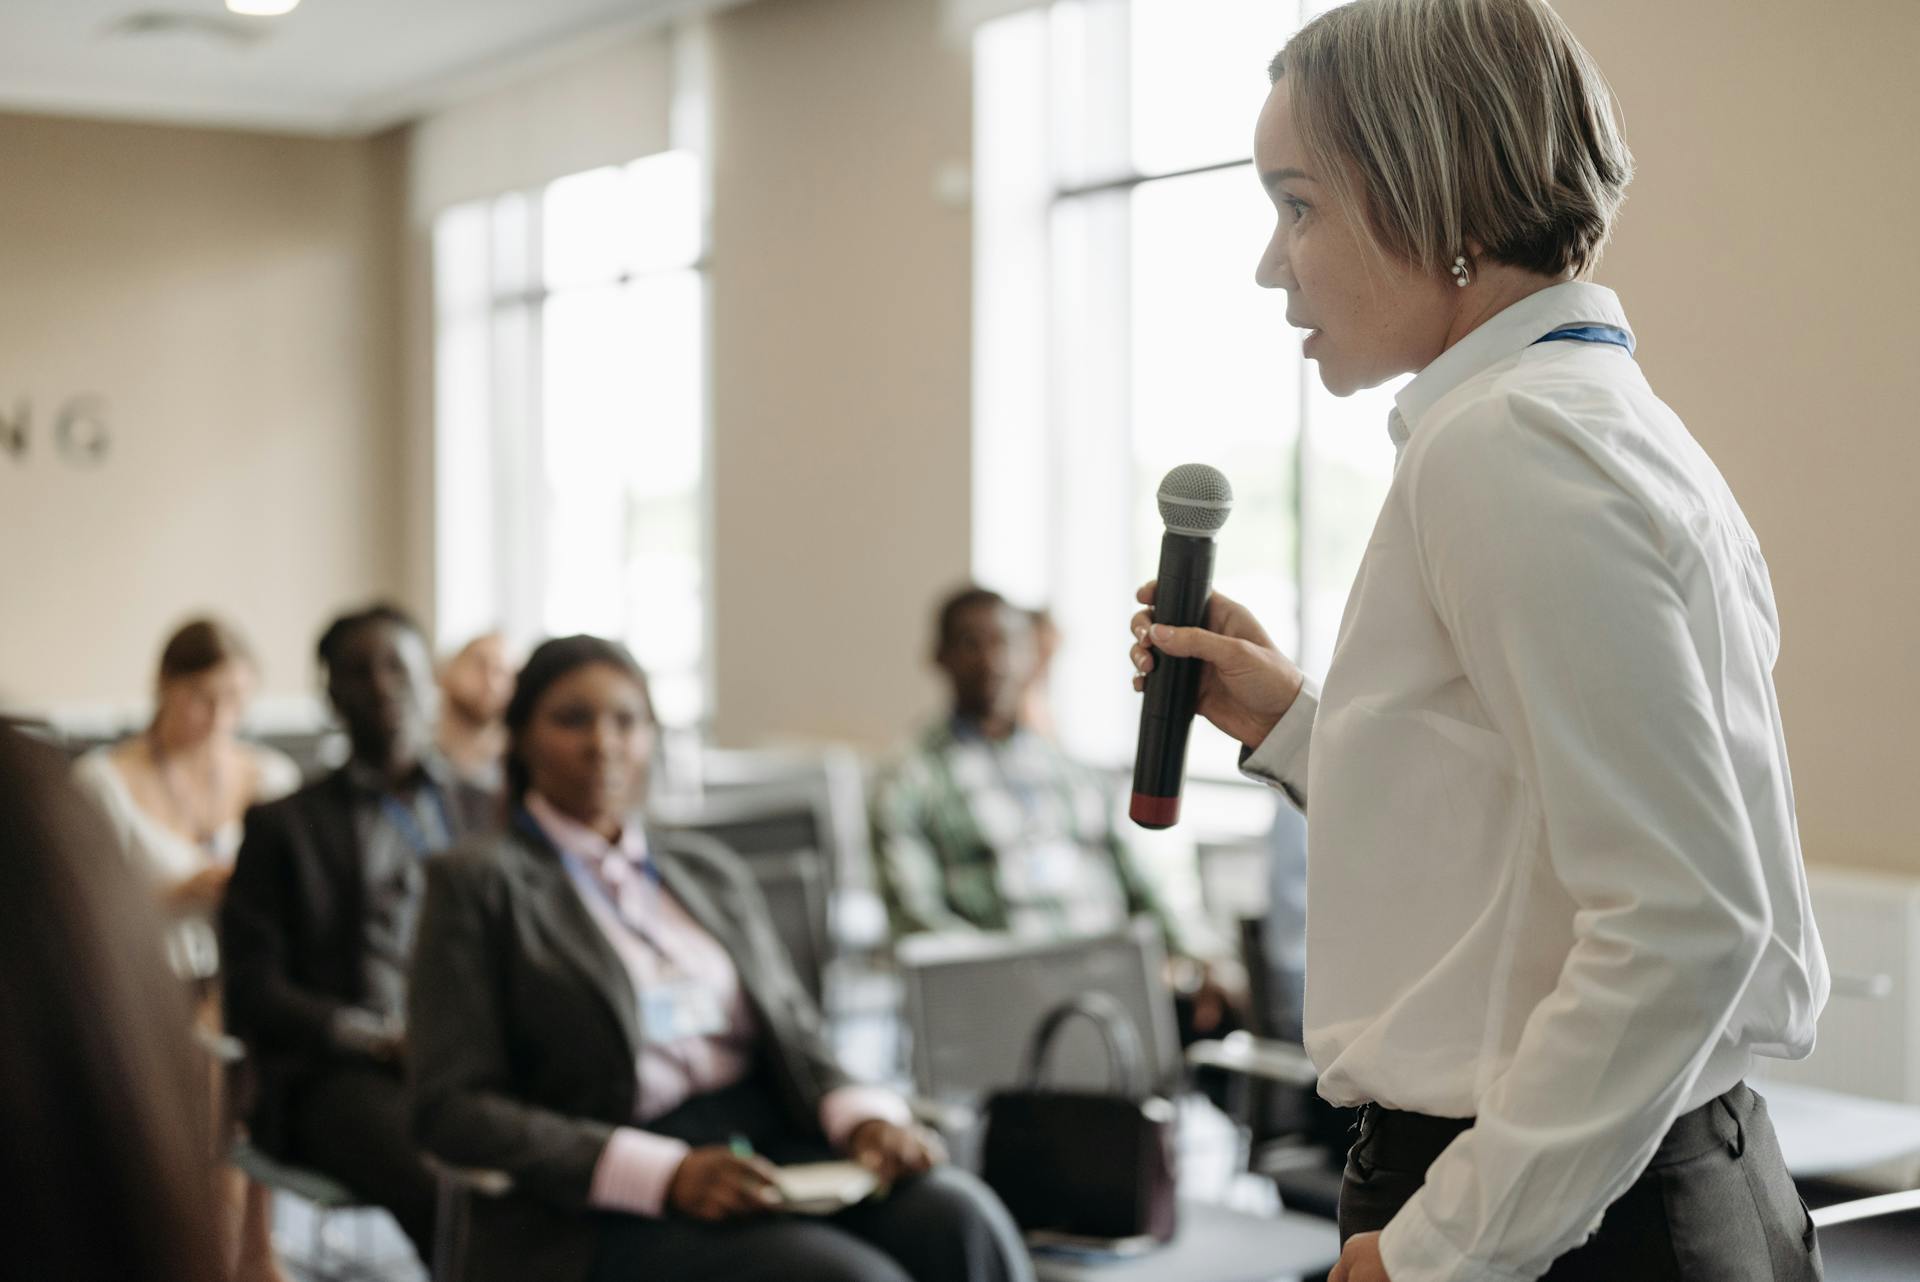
(518, 551)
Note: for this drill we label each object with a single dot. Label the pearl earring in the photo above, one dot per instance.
(1460, 274)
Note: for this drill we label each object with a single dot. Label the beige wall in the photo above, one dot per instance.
(230, 295)
(1766, 258)
(233, 296)
(841, 304)
(603, 108)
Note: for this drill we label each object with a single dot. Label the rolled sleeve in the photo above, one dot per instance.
(1413, 1249)
(1281, 759)
(634, 1172)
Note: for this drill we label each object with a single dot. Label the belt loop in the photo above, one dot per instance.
(1737, 1143)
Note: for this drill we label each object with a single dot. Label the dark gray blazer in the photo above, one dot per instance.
(524, 1032)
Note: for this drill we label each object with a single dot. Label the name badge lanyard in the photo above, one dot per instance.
(406, 821)
(649, 873)
(673, 974)
(1611, 335)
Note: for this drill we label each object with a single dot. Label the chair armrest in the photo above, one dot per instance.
(471, 1179)
(1292, 1153)
(1250, 1056)
(1866, 1208)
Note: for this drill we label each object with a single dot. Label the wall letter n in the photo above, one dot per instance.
(15, 431)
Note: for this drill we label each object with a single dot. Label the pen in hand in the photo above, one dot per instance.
(742, 1147)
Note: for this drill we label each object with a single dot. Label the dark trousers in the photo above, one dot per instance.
(1715, 1205)
(944, 1226)
(353, 1123)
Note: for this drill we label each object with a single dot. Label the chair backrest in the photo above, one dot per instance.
(831, 780)
(1275, 1110)
(796, 895)
(315, 752)
(974, 1001)
(779, 839)
(753, 826)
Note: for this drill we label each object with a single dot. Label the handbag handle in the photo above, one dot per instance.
(1124, 1056)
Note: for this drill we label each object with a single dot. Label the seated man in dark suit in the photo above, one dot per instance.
(318, 923)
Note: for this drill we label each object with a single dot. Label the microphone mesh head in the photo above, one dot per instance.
(1195, 499)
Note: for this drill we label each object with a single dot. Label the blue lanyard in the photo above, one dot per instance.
(523, 820)
(1612, 334)
(407, 824)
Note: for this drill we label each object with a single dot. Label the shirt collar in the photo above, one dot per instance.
(370, 779)
(574, 838)
(960, 729)
(1499, 337)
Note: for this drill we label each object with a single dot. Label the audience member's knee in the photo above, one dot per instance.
(859, 1264)
(950, 1186)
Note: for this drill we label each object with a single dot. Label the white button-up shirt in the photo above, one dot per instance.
(1554, 877)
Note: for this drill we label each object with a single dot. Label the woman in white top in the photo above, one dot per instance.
(175, 792)
(174, 796)
(1556, 901)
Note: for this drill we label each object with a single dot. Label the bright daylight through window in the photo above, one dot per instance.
(1119, 332)
(571, 349)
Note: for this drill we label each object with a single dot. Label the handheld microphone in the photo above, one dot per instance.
(1194, 501)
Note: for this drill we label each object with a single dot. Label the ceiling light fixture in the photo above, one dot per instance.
(261, 8)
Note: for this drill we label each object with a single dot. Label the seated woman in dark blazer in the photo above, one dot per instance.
(606, 1015)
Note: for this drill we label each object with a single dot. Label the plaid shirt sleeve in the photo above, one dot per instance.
(906, 858)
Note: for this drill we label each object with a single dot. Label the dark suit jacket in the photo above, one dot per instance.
(525, 1032)
(293, 931)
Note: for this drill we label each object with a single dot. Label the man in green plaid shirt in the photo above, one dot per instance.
(986, 825)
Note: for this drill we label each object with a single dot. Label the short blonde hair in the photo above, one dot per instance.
(1457, 123)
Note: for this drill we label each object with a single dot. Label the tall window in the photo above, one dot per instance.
(1119, 333)
(571, 417)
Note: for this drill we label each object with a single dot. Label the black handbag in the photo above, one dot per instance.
(1083, 1163)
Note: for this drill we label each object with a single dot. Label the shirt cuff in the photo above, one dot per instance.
(845, 1108)
(1413, 1249)
(1281, 759)
(634, 1171)
(355, 1030)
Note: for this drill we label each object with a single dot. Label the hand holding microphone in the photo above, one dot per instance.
(1246, 683)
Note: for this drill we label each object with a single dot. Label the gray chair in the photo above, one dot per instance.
(1293, 1136)
(455, 1189)
(794, 886)
(972, 1003)
(326, 1199)
(828, 780)
(780, 838)
(972, 1000)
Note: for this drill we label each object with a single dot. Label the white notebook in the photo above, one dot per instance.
(821, 1188)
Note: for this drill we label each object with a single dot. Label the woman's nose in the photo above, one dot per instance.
(1266, 273)
(1270, 272)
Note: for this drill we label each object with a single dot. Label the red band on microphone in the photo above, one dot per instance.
(1154, 812)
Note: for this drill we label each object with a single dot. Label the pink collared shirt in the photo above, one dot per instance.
(637, 1166)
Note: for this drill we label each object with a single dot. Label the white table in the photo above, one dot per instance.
(1215, 1244)
(1824, 1133)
